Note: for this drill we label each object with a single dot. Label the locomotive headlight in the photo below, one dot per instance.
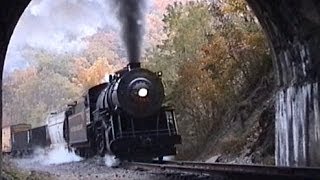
(143, 92)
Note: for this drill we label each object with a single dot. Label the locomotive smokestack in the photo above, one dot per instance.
(133, 65)
(131, 19)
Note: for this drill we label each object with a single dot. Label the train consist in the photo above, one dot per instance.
(21, 139)
(124, 117)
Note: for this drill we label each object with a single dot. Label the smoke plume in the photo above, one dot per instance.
(131, 17)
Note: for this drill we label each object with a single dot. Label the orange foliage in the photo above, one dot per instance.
(234, 6)
(87, 77)
(20, 76)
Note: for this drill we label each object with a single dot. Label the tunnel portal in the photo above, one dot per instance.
(292, 28)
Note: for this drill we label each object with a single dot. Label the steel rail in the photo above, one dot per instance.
(235, 170)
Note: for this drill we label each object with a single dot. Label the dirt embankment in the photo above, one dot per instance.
(247, 135)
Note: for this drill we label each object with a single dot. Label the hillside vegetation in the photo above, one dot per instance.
(215, 57)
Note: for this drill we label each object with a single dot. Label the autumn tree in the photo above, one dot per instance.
(104, 44)
(54, 79)
(88, 76)
(155, 34)
(214, 55)
(33, 93)
(186, 26)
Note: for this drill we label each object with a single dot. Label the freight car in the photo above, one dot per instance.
(16, 139)
(124, 117)
(22, 139)
(39, 137)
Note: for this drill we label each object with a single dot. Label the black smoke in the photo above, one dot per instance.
(131, 17)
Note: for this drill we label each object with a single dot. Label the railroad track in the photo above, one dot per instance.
(231, 171)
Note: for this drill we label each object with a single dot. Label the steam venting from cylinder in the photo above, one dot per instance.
(131, 17)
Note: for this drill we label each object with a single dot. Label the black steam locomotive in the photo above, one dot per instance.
(124, 117)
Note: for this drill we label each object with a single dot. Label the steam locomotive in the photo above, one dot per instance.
(124, 117)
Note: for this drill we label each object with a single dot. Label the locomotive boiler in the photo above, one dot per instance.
(124, 117)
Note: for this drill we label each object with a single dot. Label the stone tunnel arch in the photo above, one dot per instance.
(292, 27)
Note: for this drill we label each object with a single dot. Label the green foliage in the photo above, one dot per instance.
(186, 27)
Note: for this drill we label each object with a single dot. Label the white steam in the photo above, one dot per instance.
(111, 161)
(56, 155)
(168, 158)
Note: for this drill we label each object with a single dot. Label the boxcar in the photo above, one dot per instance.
(16, 139)
(39, 137)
